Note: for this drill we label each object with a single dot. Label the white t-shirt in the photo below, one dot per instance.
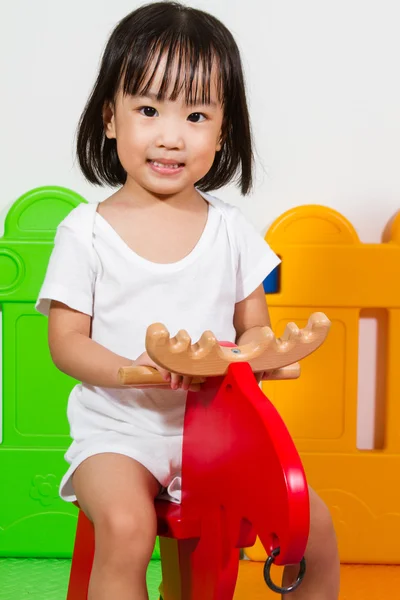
(94, 271)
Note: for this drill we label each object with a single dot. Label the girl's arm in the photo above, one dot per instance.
(76, 354)
(251, 314)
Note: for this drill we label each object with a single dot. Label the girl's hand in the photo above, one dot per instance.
(263, 376)
(172, 380)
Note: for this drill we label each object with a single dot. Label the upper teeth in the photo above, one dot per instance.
(157, 164)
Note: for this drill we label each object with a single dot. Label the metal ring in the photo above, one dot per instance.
(267, 574)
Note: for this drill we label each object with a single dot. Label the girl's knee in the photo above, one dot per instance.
(125, 533)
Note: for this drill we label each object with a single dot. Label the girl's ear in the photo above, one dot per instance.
(221, 139)
(109, 120)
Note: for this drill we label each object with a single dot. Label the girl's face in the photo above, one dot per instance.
(165, 146)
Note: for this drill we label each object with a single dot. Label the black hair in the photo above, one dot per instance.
(195, 39)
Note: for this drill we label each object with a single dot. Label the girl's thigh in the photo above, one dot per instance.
(112, 487)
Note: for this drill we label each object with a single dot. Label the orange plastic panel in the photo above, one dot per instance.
(325, 267)
(357, 582)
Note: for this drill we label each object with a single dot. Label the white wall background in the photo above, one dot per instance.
(324, 95)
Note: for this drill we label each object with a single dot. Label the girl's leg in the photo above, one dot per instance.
(117, 495)
(321, 581)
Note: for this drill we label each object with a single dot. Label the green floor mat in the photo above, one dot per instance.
(47, 579)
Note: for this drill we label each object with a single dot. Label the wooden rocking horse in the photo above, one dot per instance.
(241, 474)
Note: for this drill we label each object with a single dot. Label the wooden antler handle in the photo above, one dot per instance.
(148, 376)
(289, 372)
(143, 376)
(207, 358)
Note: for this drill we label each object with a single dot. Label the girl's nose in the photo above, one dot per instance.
(170, 137)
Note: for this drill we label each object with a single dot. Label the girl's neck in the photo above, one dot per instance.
(137, 196)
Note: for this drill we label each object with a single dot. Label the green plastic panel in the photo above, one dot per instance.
(34, 521)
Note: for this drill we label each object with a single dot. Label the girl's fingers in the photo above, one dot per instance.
(259, 376)
(195, 387)
(186, 381)
(166, 375)
(266, 375)
(175, 381)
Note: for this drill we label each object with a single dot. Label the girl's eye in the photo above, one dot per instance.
(148, 111)
(196, 117)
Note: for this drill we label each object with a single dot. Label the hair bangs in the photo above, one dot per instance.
(188, 68)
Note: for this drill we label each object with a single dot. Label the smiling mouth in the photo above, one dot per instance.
(161, 165)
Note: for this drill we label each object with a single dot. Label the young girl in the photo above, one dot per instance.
(167, 122)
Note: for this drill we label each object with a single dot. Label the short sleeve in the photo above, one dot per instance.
(256, 259)
(70, 275)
